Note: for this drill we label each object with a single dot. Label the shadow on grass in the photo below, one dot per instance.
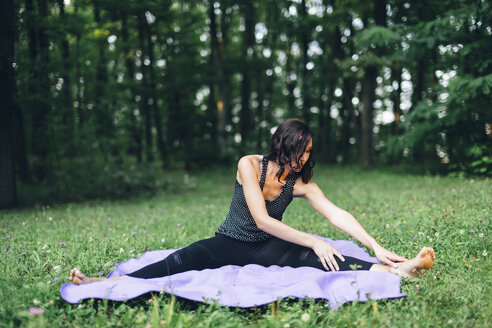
(145, 301)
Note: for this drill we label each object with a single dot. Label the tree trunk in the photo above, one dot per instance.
(225, 85)
(153, 95)
(101, 72)
(104, 127)
(396, 74)
(79, 93)
(145, 90)
(136, 147)
(349, 90)
(306, 99)
(326, 147)
(272, 18)
(32, 87)
(418, 81)
(20, 142)
(178, 121)
(324, 104)
(212, 116)
(369, 94)
(348, 116)
(424, 14)
(248, 44)
(67, 108)
(8, 192)
(41, 109)
(215, 104)
(260, 115)
(323, 122)
(368, 97)
(291, 81)
(217, 49)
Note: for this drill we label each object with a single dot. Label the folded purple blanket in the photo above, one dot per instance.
(246, 286)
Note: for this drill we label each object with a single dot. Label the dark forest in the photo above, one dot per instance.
(101, 92)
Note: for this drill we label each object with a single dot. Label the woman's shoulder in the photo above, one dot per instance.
(249, 164)
(254, 160)
(301, 188)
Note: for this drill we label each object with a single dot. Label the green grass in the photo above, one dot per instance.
(403, 212)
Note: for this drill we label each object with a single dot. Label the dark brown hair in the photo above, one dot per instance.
(288, 144)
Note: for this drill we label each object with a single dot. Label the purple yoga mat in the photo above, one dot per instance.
(246, 286)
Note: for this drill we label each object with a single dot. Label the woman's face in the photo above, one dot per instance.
(304, 157)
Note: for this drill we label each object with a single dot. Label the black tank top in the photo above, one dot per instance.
(239, 223)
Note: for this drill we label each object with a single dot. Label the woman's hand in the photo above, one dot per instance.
(388, 257)
(326, 254)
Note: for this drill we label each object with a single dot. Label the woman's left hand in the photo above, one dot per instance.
(388, 257)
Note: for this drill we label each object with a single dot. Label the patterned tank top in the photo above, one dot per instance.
(239, 223)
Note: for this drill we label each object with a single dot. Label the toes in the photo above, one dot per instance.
(427, 251)
(431, 253)
(77, 277)
(425, 259)
(72, 273)
(80, 275)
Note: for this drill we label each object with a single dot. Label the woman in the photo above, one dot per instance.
(253, 233)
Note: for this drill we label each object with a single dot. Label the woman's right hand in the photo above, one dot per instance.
(326, 254)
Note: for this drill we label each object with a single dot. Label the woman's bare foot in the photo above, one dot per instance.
(418, 265)
(78, 278)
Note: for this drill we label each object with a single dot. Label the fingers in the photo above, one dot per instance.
(323, 261)
(326, 254)
(390, 263)
(400, 258)
(395, 257)
(340, 256)
(389, 257)
(334, 262)
(329, 262)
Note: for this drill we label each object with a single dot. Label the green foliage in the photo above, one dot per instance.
(473, 87)
(448, 123)
(91, 178)
(377, 36)
(111, 86)
(403, 212)
(479, 162)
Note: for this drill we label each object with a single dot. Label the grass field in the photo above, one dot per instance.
(403, 212)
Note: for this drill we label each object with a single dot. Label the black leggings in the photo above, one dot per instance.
(220, 250)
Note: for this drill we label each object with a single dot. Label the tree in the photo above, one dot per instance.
(218, 51)
(39, 83)
(103, 87)
(247, 53)
(305, 30)
(145, 87)
(8, 192)
(135, 147)
(67, 103)
(368, 94)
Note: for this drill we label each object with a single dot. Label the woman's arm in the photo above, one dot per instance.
(343, 220)
(256, 204)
